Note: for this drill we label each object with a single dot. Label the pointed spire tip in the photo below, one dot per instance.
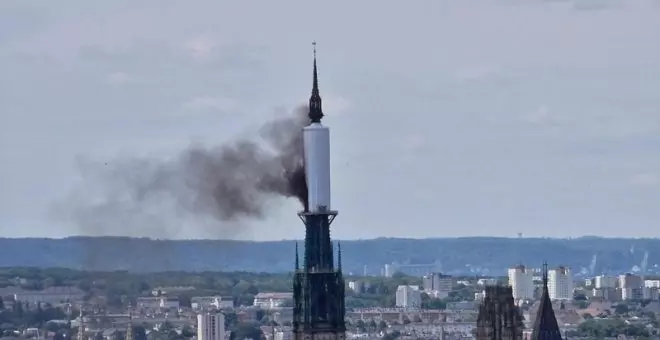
(315, 106)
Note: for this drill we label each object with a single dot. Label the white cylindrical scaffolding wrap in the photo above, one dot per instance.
(316, 141)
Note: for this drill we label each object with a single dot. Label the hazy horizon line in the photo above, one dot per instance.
(568, 238)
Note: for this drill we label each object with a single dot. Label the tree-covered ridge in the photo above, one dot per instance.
(122, 287)
(455, 255)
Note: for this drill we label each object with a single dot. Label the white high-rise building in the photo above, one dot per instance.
(521, 280)
(560, 284)
(408, 297)
(211, 326)
(438, 285)
(602, 281)
(652, 283)
(631, 287)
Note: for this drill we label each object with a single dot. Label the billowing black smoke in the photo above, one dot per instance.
(226, 183)
(235, 180)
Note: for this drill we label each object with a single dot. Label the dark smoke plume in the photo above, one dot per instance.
(227, 183)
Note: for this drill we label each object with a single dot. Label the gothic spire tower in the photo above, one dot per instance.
(318, 287)
(129, 327)
(499, 318)
(546, 326)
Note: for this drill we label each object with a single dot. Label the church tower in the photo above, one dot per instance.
(499, 318)
(318, 287)
(546, 326)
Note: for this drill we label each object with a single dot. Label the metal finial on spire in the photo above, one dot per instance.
(297, 260)
(315, 105)
(339, 255)
(545, 274)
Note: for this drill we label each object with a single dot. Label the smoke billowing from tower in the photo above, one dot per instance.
(227, 182)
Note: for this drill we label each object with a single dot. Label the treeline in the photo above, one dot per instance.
(122, 287)
(492, 255)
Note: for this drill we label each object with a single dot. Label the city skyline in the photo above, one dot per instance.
(488, 118)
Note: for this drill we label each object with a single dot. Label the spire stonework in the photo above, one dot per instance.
(129, 328)
(315, 104)
(546, 326)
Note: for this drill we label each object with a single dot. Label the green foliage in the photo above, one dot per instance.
(22, 316)
(144, 255)
(598, 329)
(246, 331)
(430, 303)
(621, 309)
(122, 287)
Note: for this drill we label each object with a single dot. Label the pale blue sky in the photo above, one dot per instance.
(448, 118)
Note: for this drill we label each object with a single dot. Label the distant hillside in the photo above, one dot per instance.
(456, 255)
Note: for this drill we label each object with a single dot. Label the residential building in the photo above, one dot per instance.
(211, 302)
(602, 281)
(358, 286)
(560, 284)
(652, 283)
(411, 269)
(487, 282)
(173, 290)
(438, 285)
(272, 300)
(169, 303)
(408, 296)
(51, 295)
(606, 294)
(631, 287)
(157, 302)
(210, 326)
(521, 280)
(650, 293)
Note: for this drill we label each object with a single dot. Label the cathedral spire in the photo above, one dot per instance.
(81, 326)
(315, 105)
(546, 326)
(129, 327)
(297, 260)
